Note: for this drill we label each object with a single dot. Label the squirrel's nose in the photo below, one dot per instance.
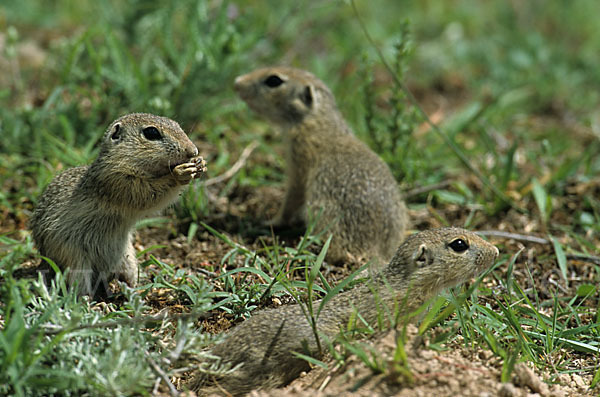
(237, 83)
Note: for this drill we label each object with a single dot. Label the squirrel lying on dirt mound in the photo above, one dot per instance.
(85, 217)
(424, 264)
(331, 175)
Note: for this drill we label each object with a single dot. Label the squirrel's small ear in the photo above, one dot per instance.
(307, 96)
(421, 256)
(116, 133)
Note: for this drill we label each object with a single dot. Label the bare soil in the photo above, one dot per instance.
(458, 371)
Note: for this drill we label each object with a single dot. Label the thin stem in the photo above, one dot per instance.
(449, 141)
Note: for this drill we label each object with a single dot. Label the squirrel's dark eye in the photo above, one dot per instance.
(273, 81)
(152, 134)
(459, 245)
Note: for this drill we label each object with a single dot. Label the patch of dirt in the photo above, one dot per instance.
(459, 371)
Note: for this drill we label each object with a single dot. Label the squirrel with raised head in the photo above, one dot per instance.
(85, 217)
(263, 345)
(332, 176)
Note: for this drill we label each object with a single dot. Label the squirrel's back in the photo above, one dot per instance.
(264, 344)
(331, 174)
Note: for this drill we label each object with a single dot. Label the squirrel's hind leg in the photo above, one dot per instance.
(129, 267)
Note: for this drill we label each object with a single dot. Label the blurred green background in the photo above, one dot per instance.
(511, 81)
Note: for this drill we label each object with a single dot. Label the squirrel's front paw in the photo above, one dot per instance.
(185, 172)
(200, 165)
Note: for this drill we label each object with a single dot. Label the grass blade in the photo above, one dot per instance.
(561, 258)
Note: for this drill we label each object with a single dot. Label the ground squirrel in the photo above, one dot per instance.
(424, 264)
(85, 216)
(331, 175)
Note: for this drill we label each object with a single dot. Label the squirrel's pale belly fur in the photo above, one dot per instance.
(423, 264)
(85, 218)
(331, 175)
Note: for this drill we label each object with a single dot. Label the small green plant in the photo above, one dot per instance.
(55, 342)
(275, 267)
(390, 127)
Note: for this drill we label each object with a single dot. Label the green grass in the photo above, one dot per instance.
(53, 342)
(513, 87)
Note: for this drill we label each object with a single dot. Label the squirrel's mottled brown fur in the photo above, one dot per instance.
(331, 175)
(425, 263)
(85, 217)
